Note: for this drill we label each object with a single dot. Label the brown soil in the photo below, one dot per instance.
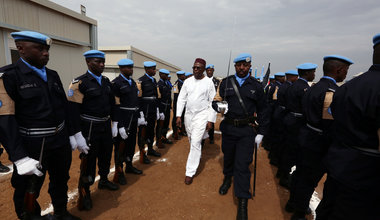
(160, 193)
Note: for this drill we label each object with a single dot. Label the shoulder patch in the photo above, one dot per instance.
(73, 94)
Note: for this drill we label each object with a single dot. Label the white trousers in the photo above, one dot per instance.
(195, 127)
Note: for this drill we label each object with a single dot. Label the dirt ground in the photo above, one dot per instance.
(160, 193)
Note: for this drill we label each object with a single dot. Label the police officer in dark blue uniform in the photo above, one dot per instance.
(315, 136)
(294, 120)
(91, 101)
(149, 106)
(34, 128)
(176, 89)
(164, 104)
(353, 160)
(128, 118)
(239, 132)
(210, 74)
(272, 105)
(279, 138)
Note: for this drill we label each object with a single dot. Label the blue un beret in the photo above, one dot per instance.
(271, 77)
(338, 57)
(149, 64)
(243, 57)
(279, 74)
(94, 54)
(31, 36)
(376, 39)
(210, 66)
(292, 72)
(181, 72)
(125, 62)
(188, 74)
(307, 66)
(164, 71)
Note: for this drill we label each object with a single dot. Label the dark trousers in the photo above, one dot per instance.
(130, 144)
(56, 162)
(161, 132)
(238, 148)
(101, 148)
(151, 120)
(310, 170)
(211, 132)
(174, 120)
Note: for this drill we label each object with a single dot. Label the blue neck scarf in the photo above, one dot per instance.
(241, 80)
(149, 77)
(169, 83)
(40, 72)
(129, 80)
(98, 78)
(330, 78)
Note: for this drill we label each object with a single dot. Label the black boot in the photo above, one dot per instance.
(242, 213)
(62, 214)
(225, 185)
(4, 169)
(152, 152)
(104, 183)
(129, 168)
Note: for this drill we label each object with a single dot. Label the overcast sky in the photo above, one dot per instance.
(283, 32)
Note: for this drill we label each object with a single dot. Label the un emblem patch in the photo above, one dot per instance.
(70, 92)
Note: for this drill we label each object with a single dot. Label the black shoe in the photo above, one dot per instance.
(203, 143)
(62, 216)
(145, 159)
(225, 185)
(122, 180)
(152, 152)
(4, 169)
(183, 133)
(26, 216)
(87, 202)
(211, 141)
(284, 181)
(167, 141)
(131, 169)
(242, 213)
(106, 184)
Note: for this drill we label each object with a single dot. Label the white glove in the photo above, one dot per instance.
(158, 114)
(114, 128)
(123, 133)
(162, 116)
(73, 143)
(222, 107)
(82, 145)
(258, 140)
(27, 166)
(141, 120)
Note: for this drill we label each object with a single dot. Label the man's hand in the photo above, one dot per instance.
(178, 122)
(209, 126)
(123, 133)
(73, 143)
(27, 166)
(82, 145)
(162, 116)
(114, 128)
(258, 140)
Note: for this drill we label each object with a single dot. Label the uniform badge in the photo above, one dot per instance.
(253, 91)
(70, 93)
(329, 111)
(1, 103)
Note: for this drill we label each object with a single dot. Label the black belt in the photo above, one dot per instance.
(41, 132)
(94, 119)
(367, 151)
(239, 122)
(282, 107)
(129, 109)
(320, 131)
(164, 103)
(149, 98)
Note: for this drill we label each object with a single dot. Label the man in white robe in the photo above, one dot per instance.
(197, 94)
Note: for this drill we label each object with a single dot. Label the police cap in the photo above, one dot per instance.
(31, 36)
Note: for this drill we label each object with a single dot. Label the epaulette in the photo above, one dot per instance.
(76, 80)
(6, 68)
